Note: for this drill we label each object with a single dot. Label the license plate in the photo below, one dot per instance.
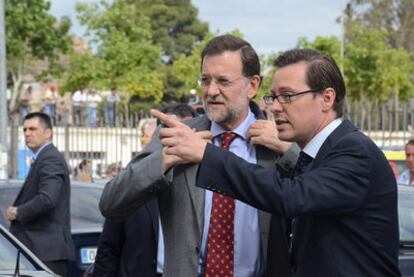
(88, 255)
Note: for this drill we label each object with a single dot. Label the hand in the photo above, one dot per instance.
(264, 132)
(11, 213)
(181, 143)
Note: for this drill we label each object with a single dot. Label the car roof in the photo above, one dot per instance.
(6, 183)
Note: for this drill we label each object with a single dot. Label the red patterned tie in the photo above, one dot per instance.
(220, 247)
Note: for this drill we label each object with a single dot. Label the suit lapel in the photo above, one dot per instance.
(32, 173)
(344, 128)
(196, 194)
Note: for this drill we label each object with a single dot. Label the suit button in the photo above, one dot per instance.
(197, 250)
(154, 262)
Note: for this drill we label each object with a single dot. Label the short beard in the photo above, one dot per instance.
(226, 118)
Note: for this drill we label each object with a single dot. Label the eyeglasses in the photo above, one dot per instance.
(221, 82)
(286, 97)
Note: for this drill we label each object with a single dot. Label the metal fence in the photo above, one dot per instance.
(104, 146)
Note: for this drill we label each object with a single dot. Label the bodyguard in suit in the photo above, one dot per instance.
(343, 197)
(229, 81)
(40, 216)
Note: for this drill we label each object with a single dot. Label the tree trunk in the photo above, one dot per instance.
(17, 77)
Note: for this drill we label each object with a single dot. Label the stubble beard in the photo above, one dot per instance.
(224, 117)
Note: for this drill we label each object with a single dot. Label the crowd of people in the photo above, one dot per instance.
(232, 193)
(78, 109)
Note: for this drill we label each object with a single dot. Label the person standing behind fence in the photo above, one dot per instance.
(112, 101)
(40, 214)
(64, 109)
(92, 101)
(25, 102)
(407, 177)
(83, 172)
(79, 103)
(50, 98)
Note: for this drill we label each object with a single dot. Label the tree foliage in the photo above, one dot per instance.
(174, 25)
(125, 57)
(373, 70)
(32, 34)
(396, 17)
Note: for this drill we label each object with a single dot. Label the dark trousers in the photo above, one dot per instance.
(58, 267)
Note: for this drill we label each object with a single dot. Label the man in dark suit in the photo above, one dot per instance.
(343, 199)
(40, 216)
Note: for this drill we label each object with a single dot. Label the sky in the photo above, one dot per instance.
(269, 25)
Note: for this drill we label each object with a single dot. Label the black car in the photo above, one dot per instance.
(16, 258)
(406, 220)
(86, 219)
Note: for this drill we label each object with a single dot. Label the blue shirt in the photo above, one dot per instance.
(404, 179)
(247, 246)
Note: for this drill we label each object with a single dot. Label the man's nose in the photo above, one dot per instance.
(276, 107)
(212, 89)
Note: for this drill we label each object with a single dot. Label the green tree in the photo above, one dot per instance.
(396, 17)
(186, 69)
(174, 25)
(125, 52)
(32, 34)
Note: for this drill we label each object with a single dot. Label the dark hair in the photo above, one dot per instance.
(410, 142)
(181, 110)
(44, 119)
(220, 44)
(322, 72)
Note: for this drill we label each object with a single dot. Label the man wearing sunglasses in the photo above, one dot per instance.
(204, 233)
(343, 196)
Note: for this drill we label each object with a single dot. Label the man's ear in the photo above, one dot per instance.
(255, 82)
(49, 133)
(328, 99)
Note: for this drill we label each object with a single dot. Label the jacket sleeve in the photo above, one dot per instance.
(110, 246)
(141, 181)
(51, 179)
(337, 185)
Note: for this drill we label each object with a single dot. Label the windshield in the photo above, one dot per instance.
(8, 255)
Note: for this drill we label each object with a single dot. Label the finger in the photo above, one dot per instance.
(166, 119)
(204, 135)
(168, 142)
(168, 132)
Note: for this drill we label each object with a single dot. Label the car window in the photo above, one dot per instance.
(406, 215)
(84, 207)
(8, 255)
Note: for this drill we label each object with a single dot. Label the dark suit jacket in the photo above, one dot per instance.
(43, 218)
(129, 247)
(345, 204)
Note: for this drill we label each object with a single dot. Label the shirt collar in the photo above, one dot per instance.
(240, 130)
(313, 146)
(34, 156)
